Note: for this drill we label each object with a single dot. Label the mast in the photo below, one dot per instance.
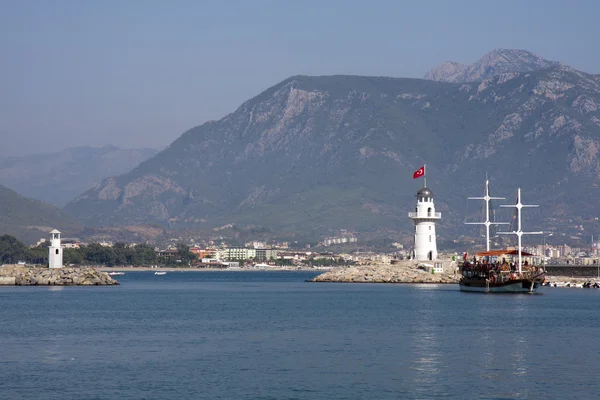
(519, 232)
(487, 222)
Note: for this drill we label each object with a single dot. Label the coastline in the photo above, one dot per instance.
(19, 275)
(578, 279)
(194, 269)
(405, 271)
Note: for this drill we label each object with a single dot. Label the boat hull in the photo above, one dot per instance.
(511, 286)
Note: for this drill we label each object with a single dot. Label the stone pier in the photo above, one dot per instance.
(405, 271)
(29, 276)
(7, 280)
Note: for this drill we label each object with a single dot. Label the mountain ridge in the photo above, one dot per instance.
(317, 154)
(58, 177)
(495, 62)
(29, 219)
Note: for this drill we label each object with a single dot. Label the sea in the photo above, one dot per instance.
(271, 335)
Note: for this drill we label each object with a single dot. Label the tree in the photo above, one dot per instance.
(73, 256)
(142, 254)
(38, 255)
(98, 254)
(122, 253)
(11, 250)
(184, 254)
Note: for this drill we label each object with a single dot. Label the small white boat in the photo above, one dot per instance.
(160, 273)
(114, 273)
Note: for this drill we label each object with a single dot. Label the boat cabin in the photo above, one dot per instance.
(498, 265)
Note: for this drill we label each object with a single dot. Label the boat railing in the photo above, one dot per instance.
(499, 274)
(530, 274)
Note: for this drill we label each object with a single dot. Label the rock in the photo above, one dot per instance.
(496, 62)
(400, 272)
(42, 280)
(25, 276)
(7, 280)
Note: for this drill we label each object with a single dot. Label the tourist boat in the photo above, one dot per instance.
(488, 276)
(160, 273)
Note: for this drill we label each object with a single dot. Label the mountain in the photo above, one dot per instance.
(313, 155)
(496, 62)
(58, 177)
(29, 219)
(448, 71)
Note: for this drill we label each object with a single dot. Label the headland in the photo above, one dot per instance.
(20, 275)
(203, 269)
(403, 271)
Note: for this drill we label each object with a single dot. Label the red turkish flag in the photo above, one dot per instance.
(419, 173)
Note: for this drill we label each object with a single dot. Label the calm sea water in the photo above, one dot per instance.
(239, 335)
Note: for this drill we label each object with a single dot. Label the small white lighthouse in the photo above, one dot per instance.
(424, 217)
(55, 251)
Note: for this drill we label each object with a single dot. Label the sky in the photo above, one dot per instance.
(139, 73)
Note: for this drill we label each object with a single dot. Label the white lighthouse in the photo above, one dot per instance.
(424, 217)
(55, 251)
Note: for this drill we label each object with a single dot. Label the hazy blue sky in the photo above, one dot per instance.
(138, 73)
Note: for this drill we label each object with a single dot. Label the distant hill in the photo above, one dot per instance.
(29, 219)
(58, 177)
(312, 155)
(496, 62)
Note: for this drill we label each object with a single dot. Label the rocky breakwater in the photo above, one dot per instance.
(401, 272)
(27, 276)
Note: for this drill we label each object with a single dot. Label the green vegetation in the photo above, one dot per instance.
(312, 155)
(280, 262)
(327, 262)
(28, 219)
(13, 251)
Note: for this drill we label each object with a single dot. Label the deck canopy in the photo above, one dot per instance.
(493, 253)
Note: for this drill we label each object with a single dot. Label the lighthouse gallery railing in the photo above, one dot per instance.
(425, 215)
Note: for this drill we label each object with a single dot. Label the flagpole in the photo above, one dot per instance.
(425, 174)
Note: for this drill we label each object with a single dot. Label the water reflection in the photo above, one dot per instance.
(195, 338)
(500, 341)
(426, 345)
(488, 345)
(519, 343)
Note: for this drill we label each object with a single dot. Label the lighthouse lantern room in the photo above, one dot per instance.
(424, 217)
(55, 251)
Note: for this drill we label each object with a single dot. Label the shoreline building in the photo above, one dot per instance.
(424, 217)
(55, 251)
